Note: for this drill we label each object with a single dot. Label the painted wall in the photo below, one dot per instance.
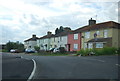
(73, 41)
(30, 43)
(116, 38)
(100, 35)
(62, 41)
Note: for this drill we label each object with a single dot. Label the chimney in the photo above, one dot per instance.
(49, 33)
(33, 36)
(92, 22)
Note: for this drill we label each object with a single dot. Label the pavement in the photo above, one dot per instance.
(74, 67)
(15, 67)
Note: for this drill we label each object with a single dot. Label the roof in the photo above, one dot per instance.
(47, 36)
(64, 33)
(109, 24)
(31, 39)
(100, 40)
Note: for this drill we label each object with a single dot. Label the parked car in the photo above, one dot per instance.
(29, 50)
(60, 49)
(14, 51)
(56, 50)
(51, 49)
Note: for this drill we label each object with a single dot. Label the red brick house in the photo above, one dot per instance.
(74, 40)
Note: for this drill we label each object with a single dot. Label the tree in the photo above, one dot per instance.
(56, 31)
(61, 29)
(14, 45)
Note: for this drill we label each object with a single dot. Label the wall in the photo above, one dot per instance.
(62, 41)
(101, 35)
(116, 38)
(71, 41)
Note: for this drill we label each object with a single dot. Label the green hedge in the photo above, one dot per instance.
(101, 51)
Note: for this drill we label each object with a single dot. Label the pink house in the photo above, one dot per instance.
(74, 40)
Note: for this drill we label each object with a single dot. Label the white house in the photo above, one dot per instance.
(44, 42)
(31, 42)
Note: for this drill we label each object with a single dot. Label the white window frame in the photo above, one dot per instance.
(105, 33)
(75, 36)
(75, 46)
(99, 45)
(87, 35)
(98, 32)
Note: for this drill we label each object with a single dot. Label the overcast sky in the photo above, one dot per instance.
(19, 19)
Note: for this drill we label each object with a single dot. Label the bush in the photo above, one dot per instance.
(102, 51)
(62, 50)
(118, 51)
(84, 52)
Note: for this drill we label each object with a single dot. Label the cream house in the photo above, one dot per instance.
(31, 42)
(101, 35)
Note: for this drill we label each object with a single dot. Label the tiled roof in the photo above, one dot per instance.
(47, 36)
(63, 33)
(31, 39)
(100, 40)
(109, 24)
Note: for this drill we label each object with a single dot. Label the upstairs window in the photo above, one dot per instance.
(75, 36)
(87, 35)
(105, 33)
(98, 32)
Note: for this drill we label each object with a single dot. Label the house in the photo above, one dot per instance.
(44, 42)
(31, 42)
(59, 39)
(62, 39)
(100, 35)
(74, 40)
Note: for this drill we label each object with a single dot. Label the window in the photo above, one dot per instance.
(87, 34)
(98, 32)
(90, 45)
(75, 46)
(99, 45)
(105, 33)
(75, 36)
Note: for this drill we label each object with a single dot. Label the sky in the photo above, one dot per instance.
(19, 19)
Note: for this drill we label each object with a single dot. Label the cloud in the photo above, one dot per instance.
(19, 19)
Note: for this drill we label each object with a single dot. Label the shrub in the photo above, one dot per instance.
(62, 50)
(118, 51)
(101, 51)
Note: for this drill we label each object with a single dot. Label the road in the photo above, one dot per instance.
(14, 67)
(72, 67)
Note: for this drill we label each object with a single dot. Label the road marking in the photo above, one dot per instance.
(117, 64)
(33, 72)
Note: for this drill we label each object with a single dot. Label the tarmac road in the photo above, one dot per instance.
(15, 67)
(72, 67)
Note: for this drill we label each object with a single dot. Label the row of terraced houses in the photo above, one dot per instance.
(93, 35)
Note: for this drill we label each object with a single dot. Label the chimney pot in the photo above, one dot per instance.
(49, 33)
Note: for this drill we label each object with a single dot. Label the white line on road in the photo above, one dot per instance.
(33, 72)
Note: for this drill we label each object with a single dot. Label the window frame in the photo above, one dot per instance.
(99, 45)
(75, 46)
(87, 35)
(75, 36)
